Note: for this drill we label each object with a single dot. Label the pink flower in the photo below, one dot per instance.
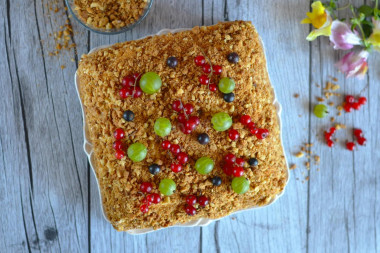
(342, 37)
(354, 64)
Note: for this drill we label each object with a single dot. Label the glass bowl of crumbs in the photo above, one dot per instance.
(109, 16)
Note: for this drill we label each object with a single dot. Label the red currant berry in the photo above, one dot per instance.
(144, 208)
(203, 79)
(362, 100)
(185, 130)
(166, 145)
(348, 107)
(154, 198)
(199, 60)
(195, 119)
(228, 169)
(137, 92)
(328, 135)
(350, 146)
(245, 119)
(356, 106)
(362, 141)
(119, 154)
(149, 199)
(350, 99)
(332, 130)
(191, 200)
(177, 106)
(262, 133)
(128, 81)
(182, 118)
(189, 108)
(146, 201)
(212, 87)
(233, 134)
(217, 70)
(119, 134)
(117, 145)
(238, 172)
(358, 132)
(206, 68)
(330, 143)
(182, 158)
(240, 162)
(190, 125)
(230, 158)
(254, 130)
(175, 149)
(190, 210)
(251, 125)
(125, 92)
(176, 167)
(203, 201)
(137, 77)
(146, 187)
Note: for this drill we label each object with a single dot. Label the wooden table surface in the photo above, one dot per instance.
(49, 199)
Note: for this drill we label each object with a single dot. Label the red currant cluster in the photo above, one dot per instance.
(153, 198)
(131, 86)
(358, 133)
(209, 70)
(187, 123)
(351, 103)
(260, 133)
(175, 150)
(119, 134)
(191, 200)
(233, 166)
(328, 137)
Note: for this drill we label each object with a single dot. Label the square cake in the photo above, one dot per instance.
(183, 126)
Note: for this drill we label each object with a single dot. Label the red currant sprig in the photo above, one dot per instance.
(131, 86)
(209, 70)
(119, 134)
(233, 166)
(358, 133)
(351, 103)
(153, 198)
(260, 133)
(175, 152)
(187, 123)
(191, 200)
(328, 137)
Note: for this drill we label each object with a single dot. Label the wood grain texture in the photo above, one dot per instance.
(49, 200)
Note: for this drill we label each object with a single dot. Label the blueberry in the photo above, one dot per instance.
(216, 181)
(172, 62)
(203, 138)
(128, 115)
(233, 57)
(229, 97)
(154, 169)
(253, 162)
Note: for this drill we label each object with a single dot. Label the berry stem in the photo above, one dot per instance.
(212, 70)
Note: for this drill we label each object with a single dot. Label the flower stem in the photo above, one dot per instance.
(360, 26)
(344, 7)
(376, 9)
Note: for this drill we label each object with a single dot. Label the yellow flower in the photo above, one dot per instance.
(374, 39)
(324, 30)
(317, 17)
(320, 19)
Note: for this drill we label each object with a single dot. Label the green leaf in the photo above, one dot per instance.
(361, 17)
(353, 27)
(366, 10)
(367, 30)
(355, 21)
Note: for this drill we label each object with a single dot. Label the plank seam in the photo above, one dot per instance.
(25, 127)
(23, 221)
(34, 221)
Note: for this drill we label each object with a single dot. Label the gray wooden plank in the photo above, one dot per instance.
(52, 185)
(342, 204)
(164, 14)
